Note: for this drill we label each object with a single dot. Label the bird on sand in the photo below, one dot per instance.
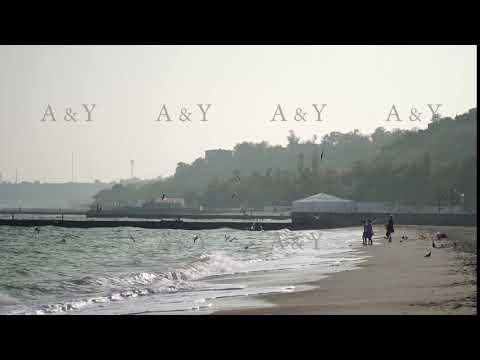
(163, 196)
(195, 238)
(428, 254)
(321, 156)
(433, 244)
(226, 237)
(132, 238)
(37, 229)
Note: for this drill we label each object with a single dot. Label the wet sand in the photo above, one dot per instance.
(396, 279)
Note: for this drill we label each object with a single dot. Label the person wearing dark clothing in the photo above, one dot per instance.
(364, 235)
(369, 232)
(390, 228)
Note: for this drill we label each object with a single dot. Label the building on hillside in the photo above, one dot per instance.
(218, 156)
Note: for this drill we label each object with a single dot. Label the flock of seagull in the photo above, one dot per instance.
(228, 238)
(437, 236)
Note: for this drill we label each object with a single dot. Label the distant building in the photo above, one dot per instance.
(168, 202)
(49, 195)
(323, 203)
(134, 203)
(218, 156)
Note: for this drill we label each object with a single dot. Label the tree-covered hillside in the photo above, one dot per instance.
(410, 166)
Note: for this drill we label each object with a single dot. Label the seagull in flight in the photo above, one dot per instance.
(64, 239)
(249, 245)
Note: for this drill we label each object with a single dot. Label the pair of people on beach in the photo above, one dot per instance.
(367, 232)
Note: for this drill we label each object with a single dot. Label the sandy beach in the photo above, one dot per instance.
(397, 279)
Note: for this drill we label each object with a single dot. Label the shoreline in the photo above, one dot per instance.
(396, 278)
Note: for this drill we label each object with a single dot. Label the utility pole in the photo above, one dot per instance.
(16, 176)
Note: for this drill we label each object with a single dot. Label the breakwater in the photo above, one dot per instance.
(184, 225)
(169, 214)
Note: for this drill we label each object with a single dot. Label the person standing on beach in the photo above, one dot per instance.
(364, 235)
(369, 232)
(390, 228)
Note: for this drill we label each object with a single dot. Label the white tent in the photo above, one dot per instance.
(323, 203)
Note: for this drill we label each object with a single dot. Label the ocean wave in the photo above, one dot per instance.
(267, 255)
(133, 285)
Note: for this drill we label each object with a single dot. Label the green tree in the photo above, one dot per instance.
(292, 138)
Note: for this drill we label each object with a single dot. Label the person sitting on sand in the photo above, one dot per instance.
(390, 228)
(369, 232)
(364, 235)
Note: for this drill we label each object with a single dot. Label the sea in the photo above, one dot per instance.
(128, 270)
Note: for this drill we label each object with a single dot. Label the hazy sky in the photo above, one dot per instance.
(244, 84)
